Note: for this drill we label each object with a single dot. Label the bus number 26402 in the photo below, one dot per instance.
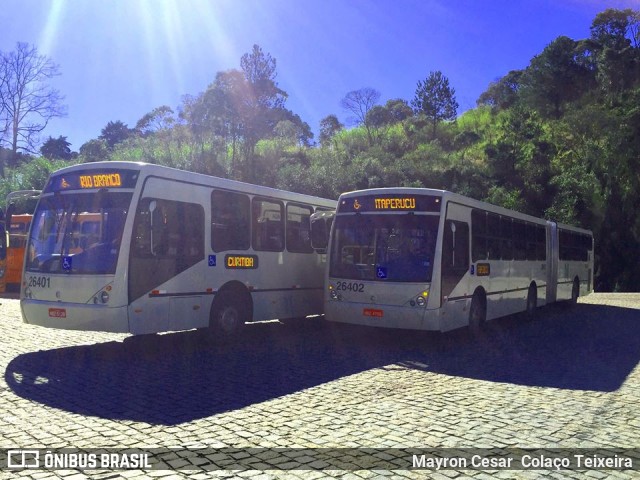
(350, 286)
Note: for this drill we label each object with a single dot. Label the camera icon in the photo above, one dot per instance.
(23, 459)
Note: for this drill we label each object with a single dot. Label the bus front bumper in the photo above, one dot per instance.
(387, 316)
(74, 316)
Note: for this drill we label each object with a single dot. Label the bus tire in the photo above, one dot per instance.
(229, 313)
(478, 312)
(532, 301)
(575, 292)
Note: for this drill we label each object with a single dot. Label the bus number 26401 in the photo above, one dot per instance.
(41, 282)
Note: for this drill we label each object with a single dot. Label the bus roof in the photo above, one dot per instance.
(448, 196)
(149, 169)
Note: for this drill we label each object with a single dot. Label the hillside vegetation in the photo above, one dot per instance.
(559, 139)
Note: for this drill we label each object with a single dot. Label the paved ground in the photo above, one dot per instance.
(568, 380)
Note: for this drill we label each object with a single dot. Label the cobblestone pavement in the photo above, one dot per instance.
(569, 379)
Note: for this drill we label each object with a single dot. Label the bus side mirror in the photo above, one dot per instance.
(320, 229)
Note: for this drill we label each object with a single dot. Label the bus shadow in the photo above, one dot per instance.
(586, 347)
(178, 377)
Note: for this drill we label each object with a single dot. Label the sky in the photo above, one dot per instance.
(120, 59)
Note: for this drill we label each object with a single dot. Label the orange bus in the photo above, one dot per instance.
(20, 207)
(18, 230)
(3, 253)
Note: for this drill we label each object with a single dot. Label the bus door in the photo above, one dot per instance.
(167, 259)
(454, 280)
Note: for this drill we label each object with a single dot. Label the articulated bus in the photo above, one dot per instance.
(140, 248)
(433, 260)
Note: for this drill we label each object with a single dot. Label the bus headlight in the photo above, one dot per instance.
(333, 293)
(421, 300)
(102, 297)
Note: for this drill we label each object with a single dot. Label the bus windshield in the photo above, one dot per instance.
(384, 247)
(77, 233)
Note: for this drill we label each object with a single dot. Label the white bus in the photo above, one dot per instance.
(433, 260)
(139, 248)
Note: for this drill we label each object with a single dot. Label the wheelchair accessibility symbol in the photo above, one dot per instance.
(66, 263)
(381, 272)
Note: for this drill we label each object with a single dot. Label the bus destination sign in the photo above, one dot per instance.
(241, 261)
(390, 203)
(406, 203)
(103, 180)
(84, 180)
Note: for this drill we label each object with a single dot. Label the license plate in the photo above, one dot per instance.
(58, 313)
(373, 312)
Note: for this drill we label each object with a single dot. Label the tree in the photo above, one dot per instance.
(27, 101)
(398, 109)
(502, 93)
(617, 29)
(160, 118)
(555, 77)
(242, 106)
(435, 99)
(56, 149)
(329, 126)
(114, 133)
(263, 103)
(220, 112)
(94, 151)
(359, 103)
(615, 40)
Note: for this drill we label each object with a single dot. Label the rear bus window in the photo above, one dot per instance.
(299, 228)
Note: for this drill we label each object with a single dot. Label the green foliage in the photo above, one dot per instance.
(436, 99)
(56, 148)
(94, 151)
(29, 176)
(114, 133)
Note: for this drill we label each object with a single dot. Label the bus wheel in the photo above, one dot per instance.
(477, 313)
(575, 291)
(532, 301)
(228, 315)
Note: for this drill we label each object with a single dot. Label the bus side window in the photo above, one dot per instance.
(494, 242)
(230, 221)
(169, 229)
(519, 240)
(506, 236)
(479, 230)
(299, 228)
(268, 225)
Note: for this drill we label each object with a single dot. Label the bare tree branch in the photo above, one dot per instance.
(27, 101)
